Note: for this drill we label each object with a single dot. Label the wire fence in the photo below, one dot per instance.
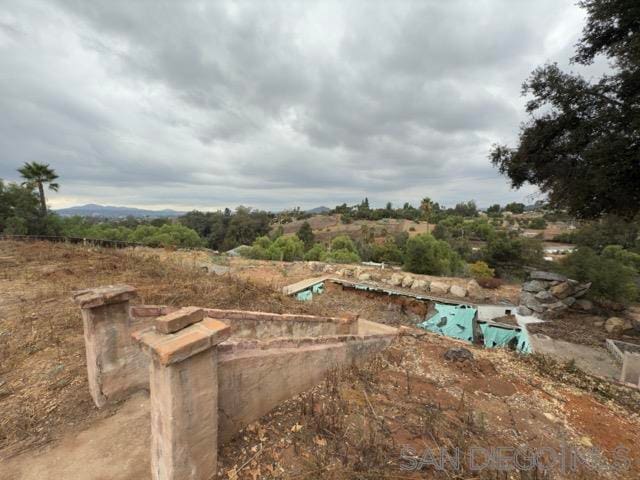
(75, 240)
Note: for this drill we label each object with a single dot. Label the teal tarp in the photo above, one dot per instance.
(452, 321)
(304, 296)
(456, 321)
(307, 295)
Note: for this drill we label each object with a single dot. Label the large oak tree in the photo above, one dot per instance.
(581, 145)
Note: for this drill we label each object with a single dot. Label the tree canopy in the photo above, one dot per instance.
(582, 144)
(36, 175)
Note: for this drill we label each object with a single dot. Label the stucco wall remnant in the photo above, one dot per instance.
(210, 372)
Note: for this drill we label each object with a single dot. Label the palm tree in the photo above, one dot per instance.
(426, 205)
(37, 174)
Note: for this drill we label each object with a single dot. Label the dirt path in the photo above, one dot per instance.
(114, 448)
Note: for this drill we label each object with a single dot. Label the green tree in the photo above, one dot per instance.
(480, 270)
(36, 175)
(305, 233)
(512, 253)
(20, 212)
(426, 207)
(316, 253)
(343, 242)
(611, 279)
(425, 254)
(494, 209)
(581, 146)
(514, 207)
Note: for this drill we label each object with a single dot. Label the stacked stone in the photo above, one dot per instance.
(547, 294)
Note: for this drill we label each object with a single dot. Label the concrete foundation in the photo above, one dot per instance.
(210, 372)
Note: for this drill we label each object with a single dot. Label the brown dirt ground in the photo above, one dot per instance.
(354, 425)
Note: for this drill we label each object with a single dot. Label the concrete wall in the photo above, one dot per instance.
(268, 357)
(210, 372)
(631, 369)
(254, 381)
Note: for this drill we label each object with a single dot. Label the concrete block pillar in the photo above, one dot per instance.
(184, 395)
(112, 356)
(631, 369)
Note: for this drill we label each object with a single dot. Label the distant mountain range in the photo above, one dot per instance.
(106, 211)
(318, 210)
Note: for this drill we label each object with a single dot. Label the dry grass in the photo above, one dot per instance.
(42, 367)
(353, 426)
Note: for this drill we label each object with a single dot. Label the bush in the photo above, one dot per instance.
(537, 224)
(616, 252)
(316, 253)
(611, 279)
(389, 252)
(342, 256)
(503, 251)
(286, 249)
(343, 242)
(425, 254)
(481, 270)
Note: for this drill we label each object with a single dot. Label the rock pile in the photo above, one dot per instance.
(546, 294)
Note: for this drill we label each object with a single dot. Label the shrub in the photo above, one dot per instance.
(425, 254)
(514, 253)
(389, 252)
(342, 256)
(316, 253)
(343, 242)
(481, 270)
(286, 249)
(617, 252)
(305, 233)
(537, 223)
(611, 279)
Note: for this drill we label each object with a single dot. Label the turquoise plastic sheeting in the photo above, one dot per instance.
(456, 321)
(452, 321)
(318, 288)
(304, 296)
(495, 336)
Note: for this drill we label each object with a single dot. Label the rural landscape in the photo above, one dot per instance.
(475, 320)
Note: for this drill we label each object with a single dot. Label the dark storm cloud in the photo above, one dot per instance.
(271, 104)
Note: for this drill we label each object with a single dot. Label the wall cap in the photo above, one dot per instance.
(176, 347)
(97, 297)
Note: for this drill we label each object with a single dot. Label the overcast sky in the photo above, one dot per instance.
(185, 104)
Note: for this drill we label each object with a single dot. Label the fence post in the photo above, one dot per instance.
(184, 396)
(113, 359)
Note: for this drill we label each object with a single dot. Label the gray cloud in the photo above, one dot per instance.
(270, 104)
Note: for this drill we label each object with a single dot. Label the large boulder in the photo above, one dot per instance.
(548, 276)
(580, 289)
(535, 286)
(420, 284)
(396, 279)
(634, 315)
(561, 290)
(583, 304)
(439, 288)
(617, 325)
(458, 291)
(524, 311)
(545, 297)
(407, 281)
(474, 290)
(529, 300)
